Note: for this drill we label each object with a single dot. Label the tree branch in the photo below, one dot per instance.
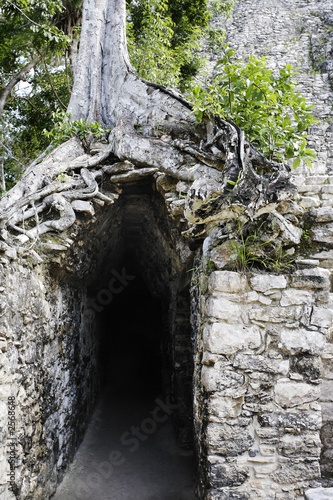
(52, 86)
(17, 78)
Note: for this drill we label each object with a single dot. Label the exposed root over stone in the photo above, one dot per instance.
(224, 177)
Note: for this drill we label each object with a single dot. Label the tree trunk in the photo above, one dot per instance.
(153, 129)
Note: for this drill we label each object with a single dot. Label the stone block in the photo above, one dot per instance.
(297, 421)
(323, 233)
(319, 494)
(327, 189)
(227, 339)
(326, 390)
(309, 202)
(228, 440)
(293, 297)
(310, 190)
(322, 317)
(316, 179)
(260, 363)
(227, 281)
(261, 470)
(222, 308)
(317, 278)
(226, 494)
(296, 341)
(328, 367)
(268, 432)
(223, 254)
(83, 206)
(304, 445)
(222, 474)
(289, 394)
(293, 471)
(309, 367)
(322, 214)
(225, 407)
(275, 314)
(265, 283)
(226, 382)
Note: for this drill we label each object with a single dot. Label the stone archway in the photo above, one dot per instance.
(62, 309)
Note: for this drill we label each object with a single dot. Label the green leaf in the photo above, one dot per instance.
(296, 162)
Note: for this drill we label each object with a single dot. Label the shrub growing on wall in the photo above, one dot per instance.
(267, 107)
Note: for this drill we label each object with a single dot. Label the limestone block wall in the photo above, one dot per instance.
(261, 339)
(300, 32)
(47, 369)
(297, 32)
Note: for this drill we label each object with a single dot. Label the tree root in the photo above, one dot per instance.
(225, 178)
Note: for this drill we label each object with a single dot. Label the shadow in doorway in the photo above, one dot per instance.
(130, 451)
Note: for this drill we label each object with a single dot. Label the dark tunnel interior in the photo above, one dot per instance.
(132, 339)
(142, 337)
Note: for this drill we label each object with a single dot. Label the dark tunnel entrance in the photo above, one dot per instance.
(132, 339)
(140, 441)
(139, 444)
(141, 410)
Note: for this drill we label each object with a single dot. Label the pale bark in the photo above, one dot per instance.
(153, 129)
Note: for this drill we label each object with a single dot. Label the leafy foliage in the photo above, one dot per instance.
(165, 37)
(273, 115)
(27, 27)
(64, 129)
(25, 117)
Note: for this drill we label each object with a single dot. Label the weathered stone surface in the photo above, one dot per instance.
(290, 233)
(223, 474)
(223, 254)
(289, 394)
(291, 445)
(294, 471)
(323, 233)
(322, 317)
(319, 494)
(228, 440)
(227, 382)
(326, 389)
(297, 341)
(225, 407)
(310, 367)
(259, 363)
(227, 281)
(317, 278)
(228, 339)
(298, 421)
(83, 206)
(222, 308)
(265, 283)
(275, 314)
(226, 495)
(322, 214)
(295, 297)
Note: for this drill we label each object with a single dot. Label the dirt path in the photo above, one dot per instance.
(129, 453)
